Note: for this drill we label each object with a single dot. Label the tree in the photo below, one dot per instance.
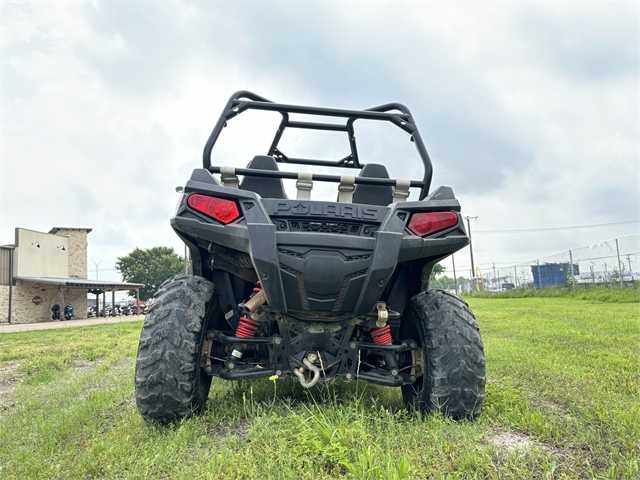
(437, 269)
(150, 266)
(442, 283)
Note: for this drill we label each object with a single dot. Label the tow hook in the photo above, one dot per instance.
(299, 372)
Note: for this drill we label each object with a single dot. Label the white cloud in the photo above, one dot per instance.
(529, 111)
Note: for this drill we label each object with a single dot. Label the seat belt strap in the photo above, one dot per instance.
(304, 185)
(401, 191)
(229, 177)
(345, 190)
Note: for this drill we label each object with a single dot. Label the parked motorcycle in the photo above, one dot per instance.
(68, 313)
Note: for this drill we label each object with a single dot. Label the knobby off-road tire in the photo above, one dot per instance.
(170, 383)
(454, 376)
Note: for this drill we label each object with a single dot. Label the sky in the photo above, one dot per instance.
(529, 110)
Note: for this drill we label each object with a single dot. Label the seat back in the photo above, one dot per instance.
(265, 187)
(381, 195)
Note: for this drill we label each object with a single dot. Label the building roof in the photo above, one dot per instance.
(55, 230)
(81, 283)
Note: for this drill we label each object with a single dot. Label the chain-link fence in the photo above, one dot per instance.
(614, 262)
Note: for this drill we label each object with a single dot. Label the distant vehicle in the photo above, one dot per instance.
(68, 313)
(126, 310)
(143, 308)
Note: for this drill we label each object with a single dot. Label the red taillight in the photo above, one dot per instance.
(224, 211)
(423, 224)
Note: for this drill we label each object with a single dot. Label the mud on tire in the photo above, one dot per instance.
(452, 354)
(170, 383)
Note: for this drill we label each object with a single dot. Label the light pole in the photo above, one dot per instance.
(96, 264)
(455, 279)
(473, 267)
(494, 277)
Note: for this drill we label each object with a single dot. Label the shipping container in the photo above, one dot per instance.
(553, 274)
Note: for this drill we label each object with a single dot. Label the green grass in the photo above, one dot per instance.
(563, 381)
(606, 294)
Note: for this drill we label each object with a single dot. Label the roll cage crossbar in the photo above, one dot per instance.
(396, 113)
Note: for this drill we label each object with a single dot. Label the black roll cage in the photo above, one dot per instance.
(244, 100)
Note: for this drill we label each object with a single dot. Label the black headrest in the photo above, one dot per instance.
(263, 162)
(373, 194)
(265, 187)
(374, 170)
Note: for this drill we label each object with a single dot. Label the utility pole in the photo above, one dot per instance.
(539, 277)
(494, 277)
(619, 264)
(573, 279)
(629, 260)
(515, 275)
(96, 264)
(473, 267)
(455, 279)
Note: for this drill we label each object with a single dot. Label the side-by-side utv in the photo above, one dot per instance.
(314, 289)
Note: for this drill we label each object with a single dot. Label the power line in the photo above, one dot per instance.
(555, 228)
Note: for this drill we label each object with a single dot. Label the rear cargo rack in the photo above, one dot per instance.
(396, 113)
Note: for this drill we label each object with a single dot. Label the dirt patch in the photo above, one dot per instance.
(10, 370)
(552, 408)
(511, 441)
(10, 378)
(86, 365)
(222, 432)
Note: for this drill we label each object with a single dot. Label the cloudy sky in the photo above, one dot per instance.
(529, 110)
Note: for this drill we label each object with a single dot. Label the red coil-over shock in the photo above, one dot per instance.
(382, 336)
(247, 327)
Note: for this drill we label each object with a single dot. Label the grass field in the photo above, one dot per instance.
(598, 293)
(562, 402)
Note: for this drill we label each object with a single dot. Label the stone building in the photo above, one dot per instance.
(41, 270)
